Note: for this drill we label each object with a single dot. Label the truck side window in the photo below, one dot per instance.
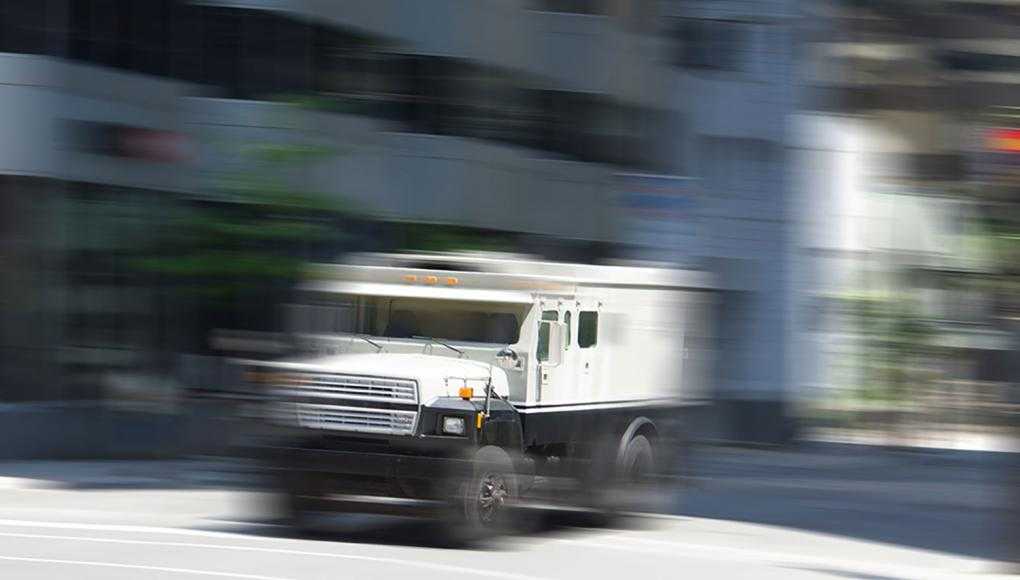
(587, 328)
(566, 330)
(542, 352)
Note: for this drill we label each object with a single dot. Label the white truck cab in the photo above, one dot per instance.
(423, 374)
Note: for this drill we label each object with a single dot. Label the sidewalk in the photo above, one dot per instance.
(133, 474)
(989, 441)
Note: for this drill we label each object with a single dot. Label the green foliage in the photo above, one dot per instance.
(436, 238)
(234, 254)
(896, 341)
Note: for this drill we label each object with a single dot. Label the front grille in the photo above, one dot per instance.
(336, 386)
(356, 419)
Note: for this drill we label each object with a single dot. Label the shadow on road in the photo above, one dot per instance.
(410, 532)
(947, 501)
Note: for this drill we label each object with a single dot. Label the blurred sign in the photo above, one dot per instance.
(657, 214)
(1004, 140)
(118, 140)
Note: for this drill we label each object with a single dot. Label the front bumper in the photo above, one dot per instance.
(392, 482)
(390, 465)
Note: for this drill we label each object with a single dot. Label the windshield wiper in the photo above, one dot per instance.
(378, 347)
(431, 339)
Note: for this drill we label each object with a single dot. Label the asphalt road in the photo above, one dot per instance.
(749, 514)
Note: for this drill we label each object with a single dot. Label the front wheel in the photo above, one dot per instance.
(485, 497)
(490, 490)
(291, 506)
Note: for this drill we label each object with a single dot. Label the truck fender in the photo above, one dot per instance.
(628, 434)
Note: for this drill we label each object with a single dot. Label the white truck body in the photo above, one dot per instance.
(649, 323)
(428, 375)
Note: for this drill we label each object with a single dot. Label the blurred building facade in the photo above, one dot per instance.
(500, 116)
(903, 285)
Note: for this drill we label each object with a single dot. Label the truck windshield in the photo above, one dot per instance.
(399, 317)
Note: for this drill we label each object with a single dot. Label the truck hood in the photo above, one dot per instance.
(437, 376)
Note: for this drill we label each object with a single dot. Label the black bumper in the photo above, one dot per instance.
(365, 463)
(387, 483)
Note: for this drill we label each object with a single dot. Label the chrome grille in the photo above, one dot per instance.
(336, 386)
(356, 419)
(331, 401)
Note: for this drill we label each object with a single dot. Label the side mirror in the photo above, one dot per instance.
(508, 359)
(550, 343)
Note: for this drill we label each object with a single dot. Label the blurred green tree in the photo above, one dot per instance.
(228, 259)
(896, 350)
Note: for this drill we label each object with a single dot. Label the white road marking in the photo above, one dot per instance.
(125, 528)
(689, 549)
(289, 552)
(140, 567)
(767, 557)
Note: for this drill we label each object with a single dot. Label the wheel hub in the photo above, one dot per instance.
(493, 493)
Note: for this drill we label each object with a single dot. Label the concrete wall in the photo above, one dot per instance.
(42, 95)
(577, 52)
(411, 176)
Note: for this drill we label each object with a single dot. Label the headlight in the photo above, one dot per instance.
(453, 425)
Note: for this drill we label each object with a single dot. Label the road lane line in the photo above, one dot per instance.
(141, 567)
(286, 551)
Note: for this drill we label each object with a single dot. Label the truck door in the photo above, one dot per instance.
(556, 376)
(587, 365)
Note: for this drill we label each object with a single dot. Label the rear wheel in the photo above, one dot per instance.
(639, 470)
(638, 461)
(624, 489)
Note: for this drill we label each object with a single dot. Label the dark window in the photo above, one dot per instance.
(710, 44)
(150, 26)
(255, 54)
(542, 350)
(24, 28)
(572, 6)
(104, 30)
(587, 329)
(222, 49)
(187, 31)
(960, 60)
(258, 75)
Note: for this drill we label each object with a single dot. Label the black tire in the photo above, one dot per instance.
(622, 491)
(637, 472)
(469, 522)
(491, 490)
(291, 505)
(638, 463)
